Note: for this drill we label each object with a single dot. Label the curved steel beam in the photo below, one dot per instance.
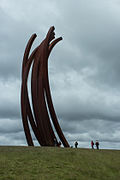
(40, 91)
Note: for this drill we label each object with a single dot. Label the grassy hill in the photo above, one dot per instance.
(46, 163)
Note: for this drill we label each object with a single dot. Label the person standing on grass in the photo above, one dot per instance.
(76, 144)
(92, 144)
(55, 142)
(97, 144)
(59, 144)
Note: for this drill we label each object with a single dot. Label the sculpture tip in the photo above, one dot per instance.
(35, 35)
(52, 28)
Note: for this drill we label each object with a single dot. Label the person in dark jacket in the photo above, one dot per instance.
(97, 144)
(76, 144)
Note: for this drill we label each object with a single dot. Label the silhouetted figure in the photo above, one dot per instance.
(59, 144)
(92, 144)
(76, 144)
(55, 142)
(97, 144)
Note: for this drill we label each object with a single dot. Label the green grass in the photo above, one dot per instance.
(46, 163)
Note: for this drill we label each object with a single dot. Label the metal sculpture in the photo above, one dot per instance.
(38, 116)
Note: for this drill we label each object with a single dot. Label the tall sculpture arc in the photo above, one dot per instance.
(38, 116)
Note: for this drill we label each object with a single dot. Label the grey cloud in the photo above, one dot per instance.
(77, 100)
(94, 31)
(10, 126)
(9, 139)
(83, 68)
(10, 98)
(92, 130)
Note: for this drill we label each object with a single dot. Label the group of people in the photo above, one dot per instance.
(58, 144)
(92, 144)
(96, 144)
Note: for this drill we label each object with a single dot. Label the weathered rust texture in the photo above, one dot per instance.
(38, 116)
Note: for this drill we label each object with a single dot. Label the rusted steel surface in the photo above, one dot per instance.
(38, 116)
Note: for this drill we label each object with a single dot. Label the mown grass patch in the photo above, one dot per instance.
(49, 163)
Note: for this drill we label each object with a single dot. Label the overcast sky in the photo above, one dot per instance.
(84, 68)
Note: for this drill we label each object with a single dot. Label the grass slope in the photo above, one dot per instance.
(46, 163)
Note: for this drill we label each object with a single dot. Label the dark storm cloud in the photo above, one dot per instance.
(84, 67)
